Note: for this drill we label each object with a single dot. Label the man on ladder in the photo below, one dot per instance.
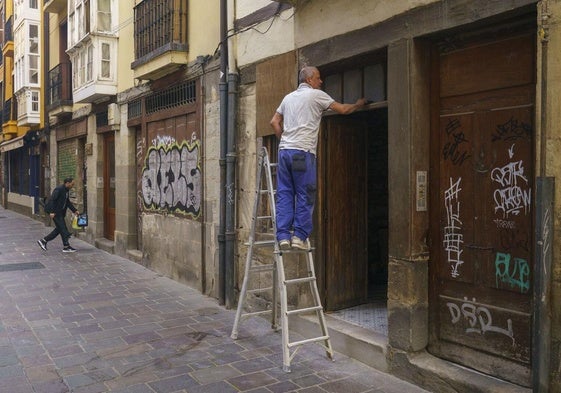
(296, 122)
(300, 114)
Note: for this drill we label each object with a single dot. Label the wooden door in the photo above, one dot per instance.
(345, 212)
(482, 190)
(109, 187)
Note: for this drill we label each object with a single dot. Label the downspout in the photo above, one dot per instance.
(541, 343)
(231, 165)
(223, 88)
(544, 38)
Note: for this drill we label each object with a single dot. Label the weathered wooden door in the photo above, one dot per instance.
(482, 199)
(109, 187)
(345, 212)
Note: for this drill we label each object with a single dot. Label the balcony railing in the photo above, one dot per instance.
(8, 33)
(9, 111)
(59, 90)
(160, 26)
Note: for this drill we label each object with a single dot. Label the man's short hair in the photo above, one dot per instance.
(305, 73)
(68, 180)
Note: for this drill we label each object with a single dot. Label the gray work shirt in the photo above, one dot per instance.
(302, 110)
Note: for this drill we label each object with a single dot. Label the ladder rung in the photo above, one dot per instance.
(261, 243)
(252, 314)
(309, 340)
(267, 191)
(299, 280)
(304, 310)
(262, 268)
(264, 217)
(258, 290)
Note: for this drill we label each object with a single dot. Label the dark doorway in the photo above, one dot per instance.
(353, 201)
(109, 187)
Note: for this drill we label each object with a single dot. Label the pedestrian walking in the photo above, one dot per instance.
(296, 122)
(56, 207)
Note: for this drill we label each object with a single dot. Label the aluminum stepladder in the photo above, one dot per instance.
(279, 281)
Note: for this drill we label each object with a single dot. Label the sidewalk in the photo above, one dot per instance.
(93, 322)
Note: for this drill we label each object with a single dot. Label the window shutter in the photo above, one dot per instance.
(275, 78)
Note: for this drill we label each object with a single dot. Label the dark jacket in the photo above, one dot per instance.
(59, 201)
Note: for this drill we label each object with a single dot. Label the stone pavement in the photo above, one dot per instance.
(93, 322)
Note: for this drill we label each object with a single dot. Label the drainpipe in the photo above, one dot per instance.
(223, 88)
(231, 167)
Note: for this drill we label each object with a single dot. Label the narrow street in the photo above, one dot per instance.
(94, 322)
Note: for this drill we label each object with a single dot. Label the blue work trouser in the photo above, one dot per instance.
(60, 228)
(296, 193)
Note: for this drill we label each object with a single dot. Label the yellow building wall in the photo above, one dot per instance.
(203, 28)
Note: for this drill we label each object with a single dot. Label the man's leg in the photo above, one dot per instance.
(285, 195)
(63, 230)
(305, 186)
(54, 233)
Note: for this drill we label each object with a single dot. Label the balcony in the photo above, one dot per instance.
(59, 90)
(160, 36)
(55, 6)
(8, 43)
(9, 117)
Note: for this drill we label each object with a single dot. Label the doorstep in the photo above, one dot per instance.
(420, 368)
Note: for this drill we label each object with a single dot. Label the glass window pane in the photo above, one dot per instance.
(375, 83)
(352, 86)
(333, 87)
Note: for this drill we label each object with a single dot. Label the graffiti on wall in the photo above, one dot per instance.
(453, 236)
(171, 177)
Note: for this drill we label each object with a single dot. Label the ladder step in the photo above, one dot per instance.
(299, 280)
(304, 310)
(255, 313)
(309, 340)
(261, 243)
(262, 268)
(258, 290)
(264, 217)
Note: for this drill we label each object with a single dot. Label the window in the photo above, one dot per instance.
(78, 20)
(33, 54)
(34, 101)
(105, 60)
(368, 81)
(33, 4)
(89, 66)
(104, 15)
(82, 66)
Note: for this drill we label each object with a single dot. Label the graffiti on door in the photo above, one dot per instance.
(171, 177)
(513, 194)
(453, 237)
(477, 318)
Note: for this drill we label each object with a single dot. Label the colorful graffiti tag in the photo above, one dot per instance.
(171, 178)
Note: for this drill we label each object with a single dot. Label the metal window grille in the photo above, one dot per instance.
(134, 109)
(185, 93)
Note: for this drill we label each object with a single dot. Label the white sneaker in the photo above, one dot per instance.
(284, 244)
(299, 243)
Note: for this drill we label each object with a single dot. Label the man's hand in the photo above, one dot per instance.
(52, 215)
(361, 102)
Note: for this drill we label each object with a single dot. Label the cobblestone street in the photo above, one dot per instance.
(94, 322)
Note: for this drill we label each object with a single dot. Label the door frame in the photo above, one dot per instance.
(108, 212)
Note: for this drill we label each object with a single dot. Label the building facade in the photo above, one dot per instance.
(438, 198)
(436, 202)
